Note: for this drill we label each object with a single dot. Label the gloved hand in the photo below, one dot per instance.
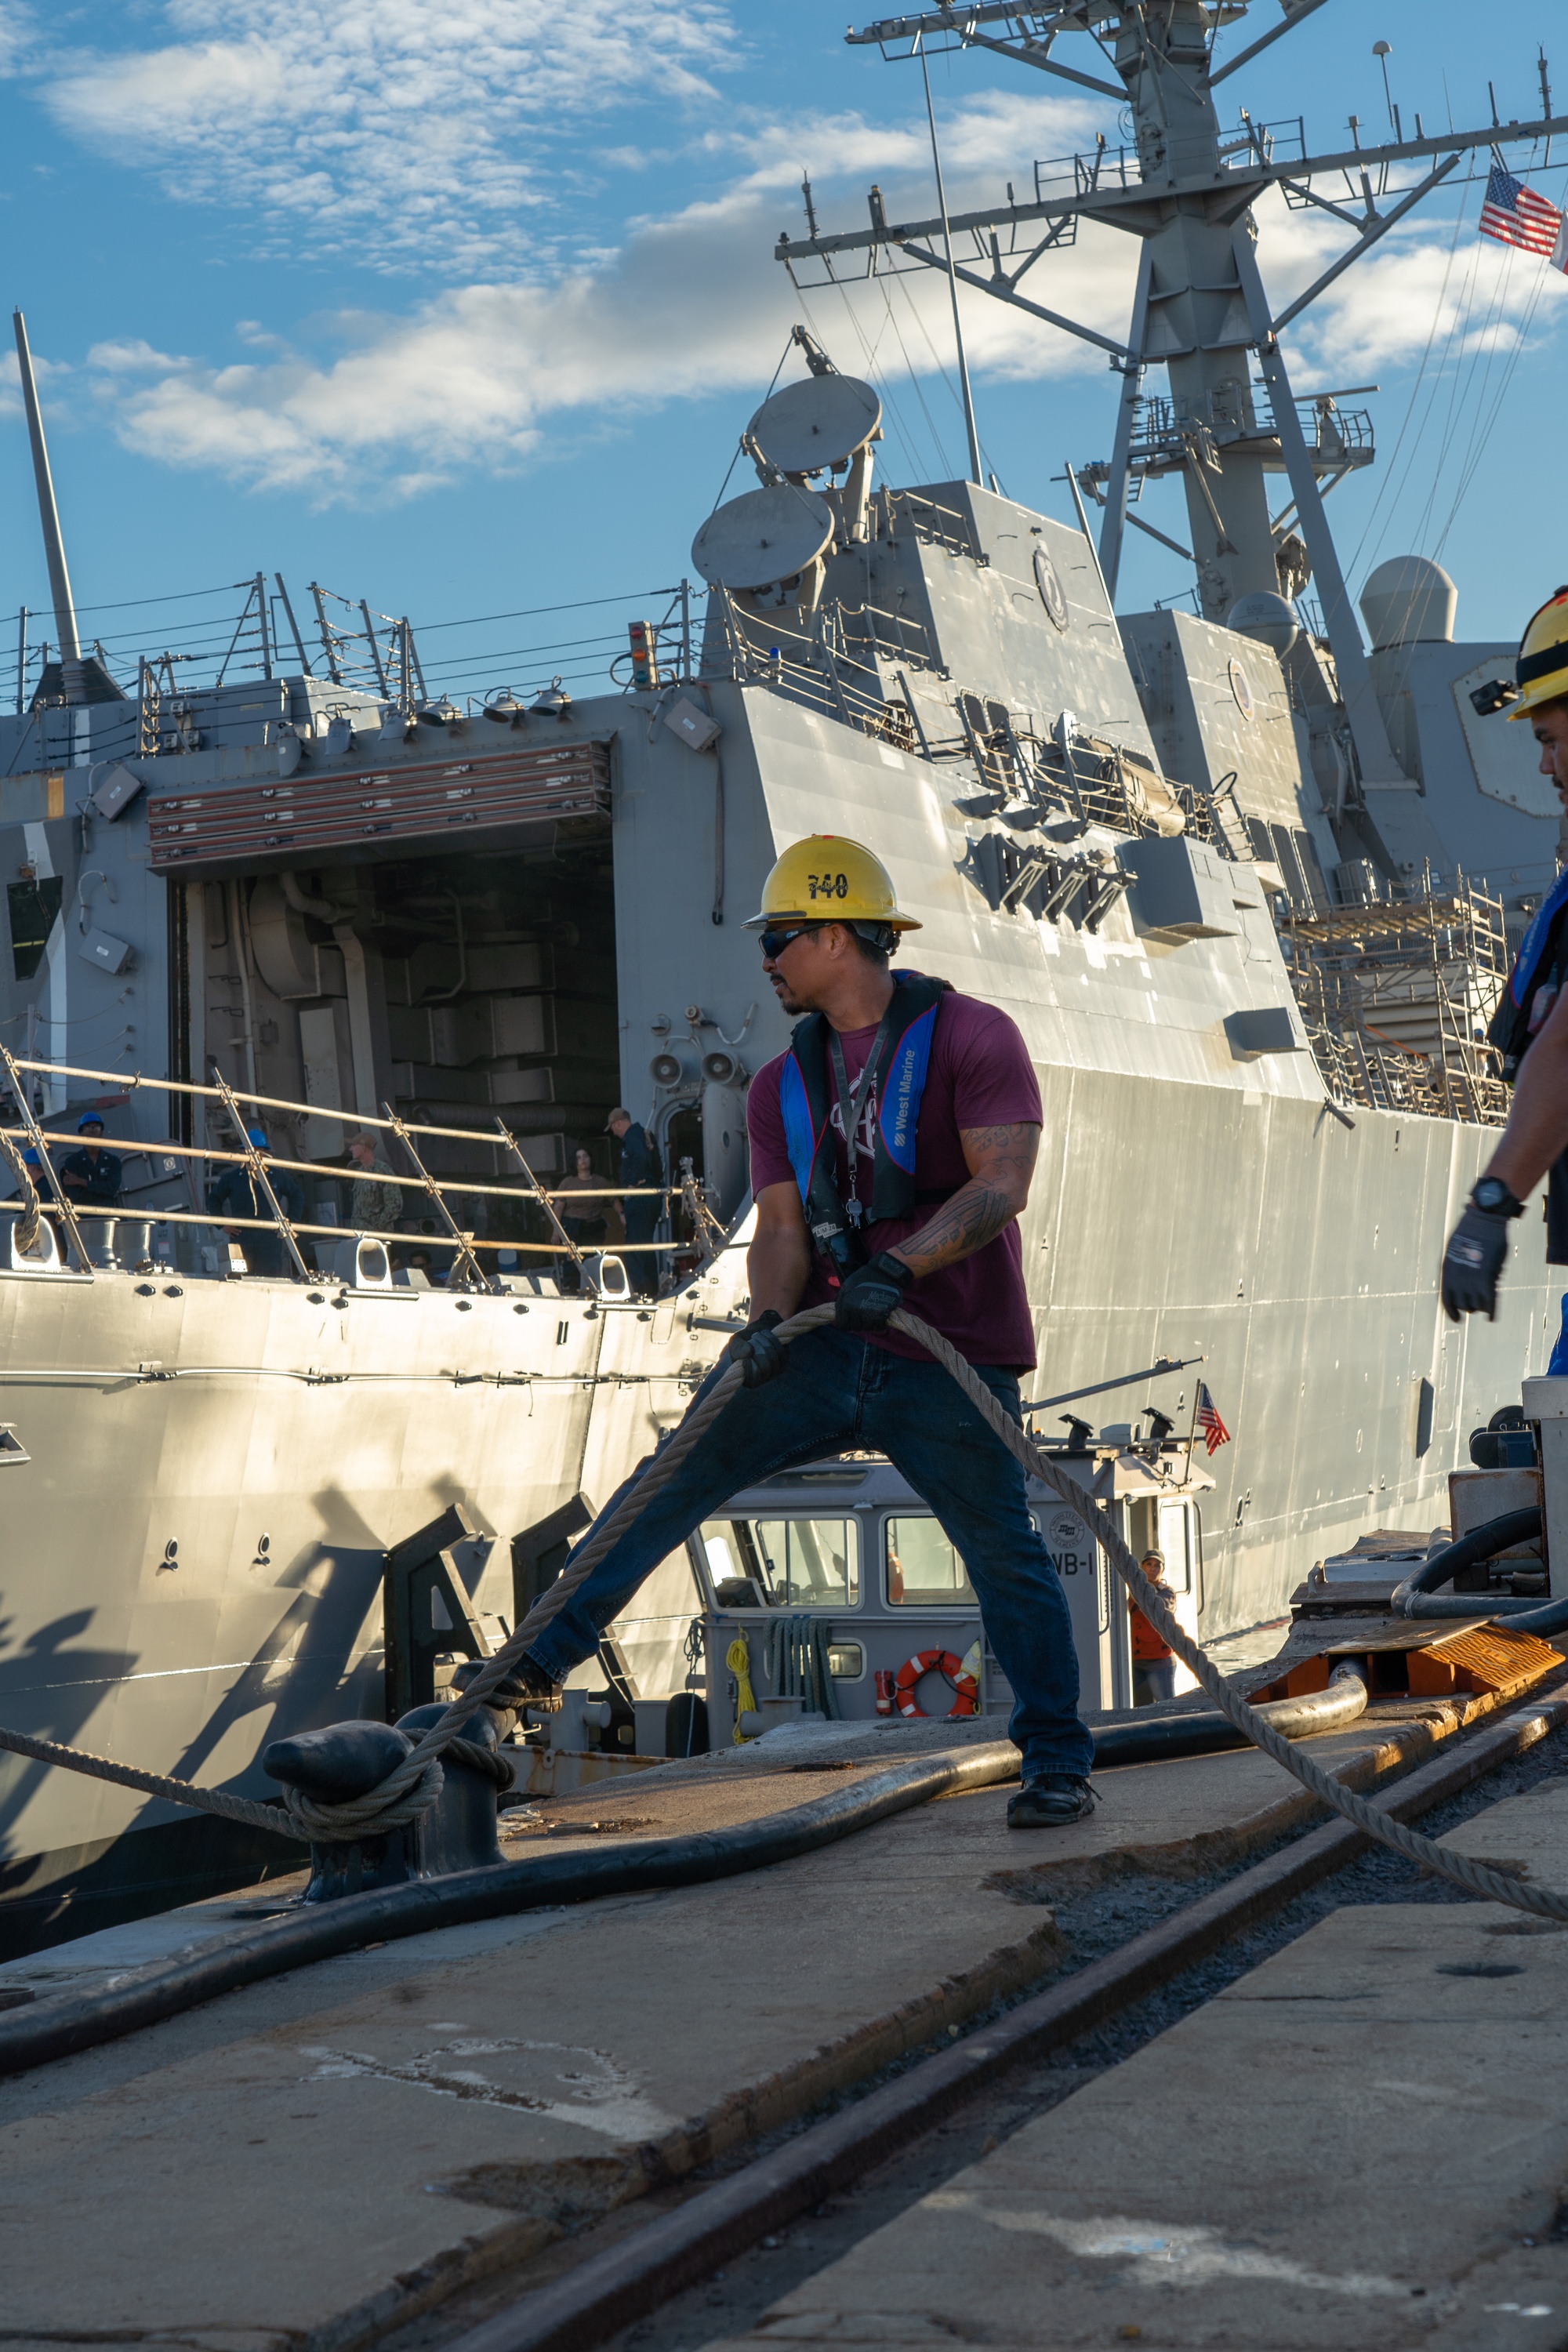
(1472, 1262)
(760, 1356)
(871, 1294)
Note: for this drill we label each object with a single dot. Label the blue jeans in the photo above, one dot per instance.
(642, 1267)
(837, 1391)
(1152, 1679)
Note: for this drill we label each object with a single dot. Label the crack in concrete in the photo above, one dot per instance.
(603, 2096)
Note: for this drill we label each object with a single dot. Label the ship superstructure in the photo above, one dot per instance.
(1247, 888)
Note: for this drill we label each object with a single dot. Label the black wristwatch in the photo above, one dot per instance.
(1492, 1196)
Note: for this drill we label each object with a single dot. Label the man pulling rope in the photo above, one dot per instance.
(892, 1148)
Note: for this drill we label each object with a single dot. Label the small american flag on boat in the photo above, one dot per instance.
(1215, 1431)
(1515, 214)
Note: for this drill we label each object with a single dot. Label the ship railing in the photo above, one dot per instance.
(41, 1191)
(1102, 782)
(895, 635)
(1282, 141)
(1099, 167)
(935, 525)
(1167, 439)
(819, 670)
(1063, 176)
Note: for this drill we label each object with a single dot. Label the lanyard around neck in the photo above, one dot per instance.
(852, 1106)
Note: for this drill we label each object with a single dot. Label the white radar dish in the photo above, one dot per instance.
(821, 421)
(763, 536)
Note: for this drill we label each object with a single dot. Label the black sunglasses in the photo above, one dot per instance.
(773, 943)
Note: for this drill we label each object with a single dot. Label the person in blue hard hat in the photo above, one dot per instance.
(91, 1176)
(237, 1195)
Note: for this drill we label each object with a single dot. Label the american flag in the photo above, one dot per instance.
(1515, 214)
(1213, 1429)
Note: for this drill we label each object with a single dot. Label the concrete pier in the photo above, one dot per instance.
(1361, 2144)
(311, 2161)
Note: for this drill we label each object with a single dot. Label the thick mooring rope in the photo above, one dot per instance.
(414, 1784)
(27, 1227)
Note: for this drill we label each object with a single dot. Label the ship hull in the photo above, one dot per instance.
(195, 1562)
(210, 1476)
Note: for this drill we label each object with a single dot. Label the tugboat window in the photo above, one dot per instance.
(34, 907)
(786, 1563)
(923, 1569)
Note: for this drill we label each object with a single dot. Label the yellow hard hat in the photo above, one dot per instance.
(1543, 669)
(827, 880)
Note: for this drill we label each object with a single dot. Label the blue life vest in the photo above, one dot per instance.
(805, 1099)
(1539, 964)
(1509, 1028)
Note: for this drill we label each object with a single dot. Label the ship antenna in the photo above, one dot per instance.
(71, 675)
(974, 473)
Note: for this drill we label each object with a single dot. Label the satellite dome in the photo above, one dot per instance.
(1409, 601)
(1268, 619)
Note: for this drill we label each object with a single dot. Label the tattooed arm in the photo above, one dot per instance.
(1001, 1162)
(779, 1260)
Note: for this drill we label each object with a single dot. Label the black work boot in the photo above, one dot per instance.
(1051, 1801)
(528, 1685)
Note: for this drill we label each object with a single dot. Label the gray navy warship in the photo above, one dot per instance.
(1248, 890)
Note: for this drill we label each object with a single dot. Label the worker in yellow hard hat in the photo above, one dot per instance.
(892, 1148)
(826, 878)
(1529, 1027)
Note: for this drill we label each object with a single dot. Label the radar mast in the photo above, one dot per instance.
(1185, 190)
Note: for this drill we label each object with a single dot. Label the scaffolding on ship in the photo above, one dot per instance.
(1396, 997)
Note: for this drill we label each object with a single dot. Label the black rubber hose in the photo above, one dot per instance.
(1468, 1551)
(56, 2027)
(1519, 1615)
(1205, 1732)
(1515, 1611)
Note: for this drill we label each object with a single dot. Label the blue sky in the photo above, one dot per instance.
(461, 308)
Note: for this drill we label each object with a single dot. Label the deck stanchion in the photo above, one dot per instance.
(542, 1197)
(259, 1175)
(463, 1240)
(46, 1165)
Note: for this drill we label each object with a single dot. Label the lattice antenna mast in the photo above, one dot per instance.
(1185, 192)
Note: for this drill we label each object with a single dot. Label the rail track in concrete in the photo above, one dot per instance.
(704, 2259)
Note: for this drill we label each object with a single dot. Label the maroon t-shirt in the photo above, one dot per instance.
(979, 1076)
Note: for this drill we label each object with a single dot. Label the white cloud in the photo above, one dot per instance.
(382, 130)
(18, 36)
(689, 304)
(379, 404)
(137, 358)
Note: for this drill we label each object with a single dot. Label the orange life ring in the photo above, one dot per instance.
(965, 1689)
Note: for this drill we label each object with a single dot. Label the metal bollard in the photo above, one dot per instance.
(345, 1760)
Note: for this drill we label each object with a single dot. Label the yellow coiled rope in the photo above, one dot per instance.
(738, 1658)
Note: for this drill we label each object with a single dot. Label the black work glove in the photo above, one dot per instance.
(1473, 1261)
(871, 1294)
(760, 1356)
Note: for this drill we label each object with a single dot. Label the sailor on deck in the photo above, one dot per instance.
(90, 1174)
(892, 1148)
(640, 1213)
(1530, 1028)
(237, 1195)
